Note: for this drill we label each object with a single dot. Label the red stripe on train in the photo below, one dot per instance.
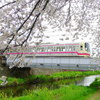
(50, 53)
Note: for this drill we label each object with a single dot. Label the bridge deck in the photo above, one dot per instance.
(74, 63)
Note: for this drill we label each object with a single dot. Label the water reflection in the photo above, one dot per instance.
(88, 80)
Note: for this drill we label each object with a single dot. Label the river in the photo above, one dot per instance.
(19, 90)
(88, 80)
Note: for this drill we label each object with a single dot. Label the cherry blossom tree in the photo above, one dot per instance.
(24, 21)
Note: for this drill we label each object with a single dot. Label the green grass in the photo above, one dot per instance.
(70, 92)
(1, 81)
(48, 78)
(96, 83)
(73, 74)
(61, 75)
(14, 81)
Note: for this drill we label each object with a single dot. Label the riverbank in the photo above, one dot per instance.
(70, 92)
(96, 83)
(12, 81)
(61, 91)
(95, 96)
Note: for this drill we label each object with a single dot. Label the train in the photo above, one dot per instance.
(70, 56)
(70, 49)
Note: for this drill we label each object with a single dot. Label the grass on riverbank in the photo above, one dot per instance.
(74, 74)
(14, 81)
(62, 75)
(70, 92)
(95, 96)
(48, 78)
(96, 83)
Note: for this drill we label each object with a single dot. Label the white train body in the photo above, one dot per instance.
(71, 49)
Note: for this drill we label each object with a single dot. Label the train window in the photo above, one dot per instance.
(69, 48)
(77, 48)
(73, 48)
(60, 49)
(57, 49)
(81, 47)
(50, 49)
(87, 47)
(37, 50)
(42, 49)
(66, 48)
(54, 49)
(46, 49)
(63, 48)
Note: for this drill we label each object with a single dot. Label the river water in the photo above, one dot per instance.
(19, 90)
(88, 80)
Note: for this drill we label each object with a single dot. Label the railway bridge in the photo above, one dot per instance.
(73, 56)
(71, 63)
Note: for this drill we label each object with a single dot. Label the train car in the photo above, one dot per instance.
(71, 49)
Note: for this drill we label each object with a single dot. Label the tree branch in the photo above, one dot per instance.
(28, 16)
(7, 4)
(37, 16)
(30, 29)
(9, 43)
